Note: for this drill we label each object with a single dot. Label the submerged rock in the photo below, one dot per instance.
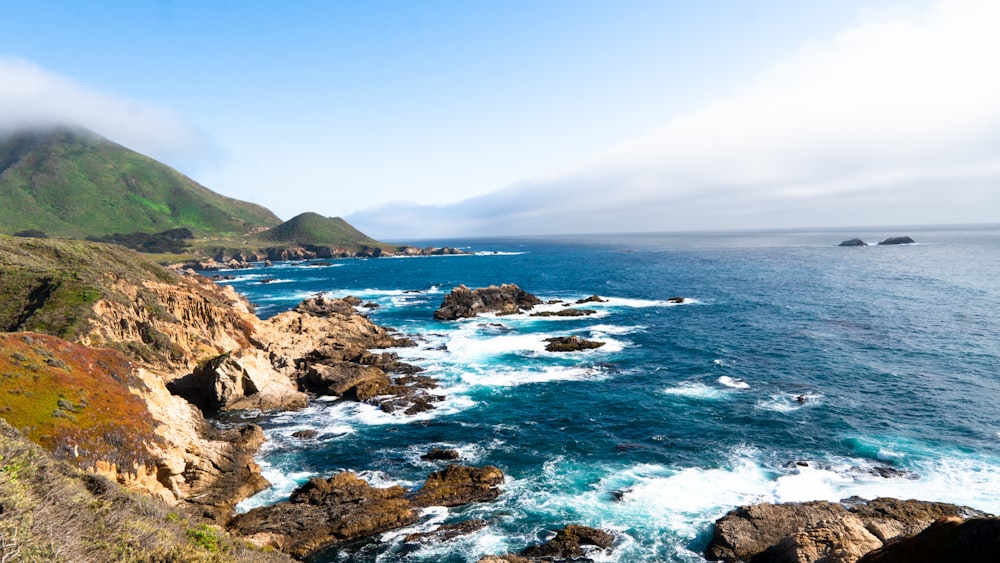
(565, 313)
(464, 303)
(440, 454)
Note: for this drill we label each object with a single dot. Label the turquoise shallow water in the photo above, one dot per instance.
(877, 367)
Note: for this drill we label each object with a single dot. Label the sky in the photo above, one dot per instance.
(419, 119)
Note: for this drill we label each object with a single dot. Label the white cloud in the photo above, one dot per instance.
(31, 96)
(890, 122)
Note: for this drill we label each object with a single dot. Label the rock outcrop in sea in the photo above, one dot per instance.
(345, 507)
(465, 303)
(824, 531)
(897, 240)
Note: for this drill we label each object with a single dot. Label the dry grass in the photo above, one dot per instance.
(52, 511)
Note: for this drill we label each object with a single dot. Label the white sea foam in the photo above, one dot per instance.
(697, 391)
(733, 382)
(788, 402)
(283, 483)
(615, 329)
(513, 377)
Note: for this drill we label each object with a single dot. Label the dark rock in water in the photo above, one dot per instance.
(591, 299)
(464, 303)
(446, 532)
(675, 300)
(324, 512)
(897, 240)
(820, 530)
(305, 434)
(570, 344)
(440, 454)
(371, 305)
(947, 539)
(457, 485)
(321, 263)
(853, 242)
(565, 313)
(570, 543)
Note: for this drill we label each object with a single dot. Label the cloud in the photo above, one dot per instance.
(32, 96)
(889, 122)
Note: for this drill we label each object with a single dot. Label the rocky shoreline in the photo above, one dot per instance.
(193, 349)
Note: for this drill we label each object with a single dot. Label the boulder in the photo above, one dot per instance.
(897, 240)
(465, 303)
(571, 542)
(241, 379)
(947, 539)
(440, 454)
(822, 531)
(457, 485)
(570, 344)
(853, 242)
(591, 299)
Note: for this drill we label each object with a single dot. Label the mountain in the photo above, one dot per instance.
(70, 182)
(314, 229)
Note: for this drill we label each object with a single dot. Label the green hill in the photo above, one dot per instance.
(314, 229)
(70, 182)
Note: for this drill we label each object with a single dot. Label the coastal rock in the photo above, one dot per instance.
(446, 532)
(464, 303)
(459, 484)
(243, 379)
(323, 512)
(947, 539)
(565, 313)
(345, 507)
(897, 240)
(341, 379)
(571, 542)
(322, 306)
(570, 344)
(508, 558)
(305, 434)
(440, 454)
(591, 299)
(853, 242)
(839, 532)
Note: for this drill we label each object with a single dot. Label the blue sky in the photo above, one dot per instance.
(416, 119)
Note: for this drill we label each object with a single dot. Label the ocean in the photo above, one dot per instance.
(795, 370)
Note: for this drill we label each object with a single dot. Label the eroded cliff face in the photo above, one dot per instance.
(199, 349)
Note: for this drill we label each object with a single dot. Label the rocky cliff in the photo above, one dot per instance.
(183, 346)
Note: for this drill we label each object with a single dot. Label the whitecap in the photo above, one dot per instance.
(733, 382)
(788, 402)
(697, 391)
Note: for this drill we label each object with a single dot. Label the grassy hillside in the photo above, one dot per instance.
(50, 286)
(73, 183)
(314, 229)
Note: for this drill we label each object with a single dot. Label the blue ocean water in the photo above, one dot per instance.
(795, 370)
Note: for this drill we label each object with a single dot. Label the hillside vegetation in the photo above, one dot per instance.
(314, 229)
(70, 182)
(52, 511)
